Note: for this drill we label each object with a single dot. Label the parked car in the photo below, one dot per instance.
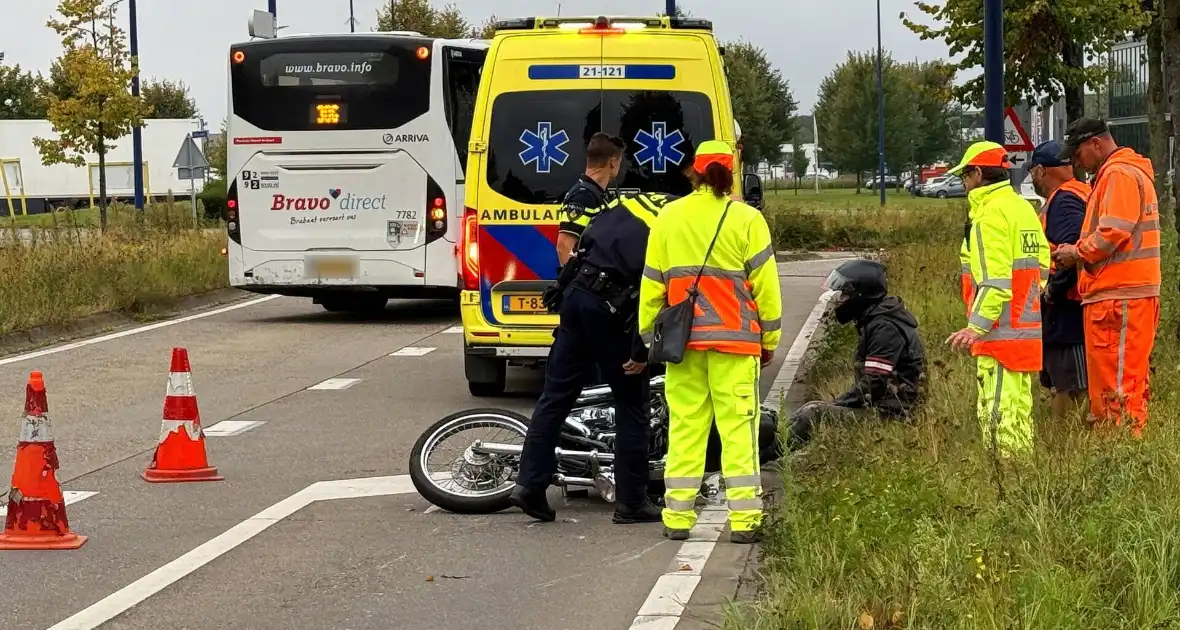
(929, 184)
(891, 181)
(943, 187)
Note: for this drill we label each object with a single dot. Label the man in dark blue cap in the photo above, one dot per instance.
(1062, 330)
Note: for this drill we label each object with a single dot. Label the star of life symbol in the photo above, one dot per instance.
(659, 147)
(544, 147)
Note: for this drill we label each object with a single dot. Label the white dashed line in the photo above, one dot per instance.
(411, 351)
(71, 497)
(336, 383)
(454, 330)
(227, 428)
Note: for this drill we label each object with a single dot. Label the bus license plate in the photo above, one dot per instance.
(332, 267)
(529, 304)
(402, 231)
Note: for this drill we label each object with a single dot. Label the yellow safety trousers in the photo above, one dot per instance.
(1005, 406)
(707, 385)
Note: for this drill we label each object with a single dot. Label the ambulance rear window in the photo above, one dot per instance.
(536, 148)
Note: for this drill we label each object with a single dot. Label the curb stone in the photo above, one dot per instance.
(720, 587)
(19, 341)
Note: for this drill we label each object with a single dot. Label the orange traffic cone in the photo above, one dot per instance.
(180, 455)
(36, 508)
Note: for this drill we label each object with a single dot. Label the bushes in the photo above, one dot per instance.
(833, 221)
(906, 524)
(57, 276)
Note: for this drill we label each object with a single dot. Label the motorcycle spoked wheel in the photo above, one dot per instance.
(482, 483)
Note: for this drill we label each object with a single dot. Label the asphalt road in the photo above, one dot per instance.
(379, 562)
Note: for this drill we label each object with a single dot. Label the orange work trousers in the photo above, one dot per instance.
(1119, 337)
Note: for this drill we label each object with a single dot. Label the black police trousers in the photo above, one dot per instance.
(589, 336)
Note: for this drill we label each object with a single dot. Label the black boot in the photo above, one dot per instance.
(642, 513)
(533, 503)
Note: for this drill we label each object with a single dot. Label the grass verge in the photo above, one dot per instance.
(59, 276)
(904, 526)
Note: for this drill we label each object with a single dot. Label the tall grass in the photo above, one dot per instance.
(890, 525)
(54, 276)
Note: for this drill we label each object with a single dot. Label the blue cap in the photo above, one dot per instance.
(1046, 154)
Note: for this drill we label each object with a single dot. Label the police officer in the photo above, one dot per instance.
(597, 328)
(604, 159)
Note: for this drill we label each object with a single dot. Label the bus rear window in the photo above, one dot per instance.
(337, 83)
(536, 147)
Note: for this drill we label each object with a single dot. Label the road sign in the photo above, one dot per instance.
(203, 133)
(189, 156)
(191, 173)
(1015, 137)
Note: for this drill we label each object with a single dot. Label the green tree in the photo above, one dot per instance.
(168, 99)
(21, 95)
(847, 115)
(931, 133)
(799, 162)
(215, 153)
(762, 101)
(1045, 44)
(486, 30)
(100, 108)
(450, 23)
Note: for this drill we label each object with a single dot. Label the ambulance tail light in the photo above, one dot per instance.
(469, 250)
(436, 211)
(233, 225)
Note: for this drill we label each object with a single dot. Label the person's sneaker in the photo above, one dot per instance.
(744, 538)
(675, 534)
(533, 503)
(644, 513)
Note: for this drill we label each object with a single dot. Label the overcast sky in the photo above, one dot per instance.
(189, 39)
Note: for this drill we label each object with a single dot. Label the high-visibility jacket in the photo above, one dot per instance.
(1008, 259)
(1120, 246)
(739, 304)
(1079, 188)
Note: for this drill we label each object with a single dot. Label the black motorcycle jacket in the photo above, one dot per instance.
(890, 360)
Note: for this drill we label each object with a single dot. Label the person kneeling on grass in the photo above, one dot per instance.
(890, 358)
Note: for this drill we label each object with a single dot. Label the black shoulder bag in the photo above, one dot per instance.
(673, 325)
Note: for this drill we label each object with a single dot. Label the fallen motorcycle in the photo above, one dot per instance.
(478, 478)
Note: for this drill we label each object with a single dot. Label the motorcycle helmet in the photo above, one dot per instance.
(859, 285)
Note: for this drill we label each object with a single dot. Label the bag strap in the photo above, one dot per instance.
(709, 252)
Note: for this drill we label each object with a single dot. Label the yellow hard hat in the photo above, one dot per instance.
(712, 152)
(983, 154)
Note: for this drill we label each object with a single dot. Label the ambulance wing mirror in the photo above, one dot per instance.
(752, 190)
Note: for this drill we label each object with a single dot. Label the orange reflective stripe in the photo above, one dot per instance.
(1014, 338)
(726, 316)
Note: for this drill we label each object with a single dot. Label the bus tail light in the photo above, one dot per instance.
(469, 250)
(436, 211)
(232, 218)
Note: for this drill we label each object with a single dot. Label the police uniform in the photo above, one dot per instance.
(597, 329)
(582, 203)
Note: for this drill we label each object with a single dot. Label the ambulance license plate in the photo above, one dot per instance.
(524, 304)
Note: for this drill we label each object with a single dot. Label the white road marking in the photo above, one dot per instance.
(411, 351)
(133, 331)
(71, 497)
(127, 597)
(431, 510)
(336, 383)
(227, 428)
(673, 590)
(454, 330)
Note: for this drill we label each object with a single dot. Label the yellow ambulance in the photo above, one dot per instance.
(549, 84)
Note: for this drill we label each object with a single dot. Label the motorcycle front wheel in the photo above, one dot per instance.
(465, 482)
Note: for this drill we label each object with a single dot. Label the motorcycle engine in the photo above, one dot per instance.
(600, 420)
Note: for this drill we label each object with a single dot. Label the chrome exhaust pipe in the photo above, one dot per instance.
(493, 448)
(580, 482)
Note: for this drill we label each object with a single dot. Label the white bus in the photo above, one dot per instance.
(346, 159)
